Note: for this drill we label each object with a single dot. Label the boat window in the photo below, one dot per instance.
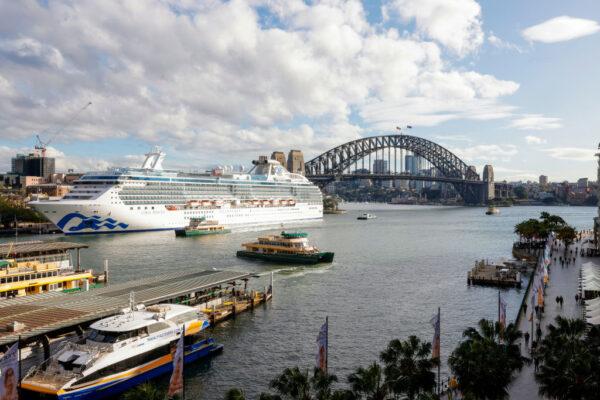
(127, 364)
(159, 326)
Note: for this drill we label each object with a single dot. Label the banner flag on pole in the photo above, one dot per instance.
(9, 374)
(322, 344)
(435, 349)
(176, 382)
(540, 297)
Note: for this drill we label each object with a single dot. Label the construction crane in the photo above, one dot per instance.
(42, 146)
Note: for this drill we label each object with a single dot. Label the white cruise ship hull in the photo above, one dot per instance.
(81, 218)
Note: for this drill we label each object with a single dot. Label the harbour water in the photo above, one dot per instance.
(389, 276)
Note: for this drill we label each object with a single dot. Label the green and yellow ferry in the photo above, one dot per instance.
(289, 247)
(200, 226)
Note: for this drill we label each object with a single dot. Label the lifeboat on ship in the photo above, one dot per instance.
(171, 207)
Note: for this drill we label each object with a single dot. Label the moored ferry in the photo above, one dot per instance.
(201, 227)
(289, 247)
(151, 198)
(37, 267)
(120, 352)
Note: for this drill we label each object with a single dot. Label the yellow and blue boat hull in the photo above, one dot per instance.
(111, 386)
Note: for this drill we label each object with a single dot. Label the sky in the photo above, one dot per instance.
(510, 83)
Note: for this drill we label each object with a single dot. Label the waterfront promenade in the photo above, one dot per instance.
(563, 282)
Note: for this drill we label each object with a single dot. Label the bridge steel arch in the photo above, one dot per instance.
(331, 165)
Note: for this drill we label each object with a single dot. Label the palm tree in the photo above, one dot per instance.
(484, 363)
(408, 367)
(296, 384)
(570, 361)
(235, 394)
(293, 383)
(369, 382)
(145, 391)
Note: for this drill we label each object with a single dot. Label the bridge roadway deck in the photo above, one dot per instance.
(54, 312)
(391, 176)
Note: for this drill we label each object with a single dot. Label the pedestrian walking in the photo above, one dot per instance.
(526, 336)
(576, 297)
(557, 300)
(561, 300)
(538, 333)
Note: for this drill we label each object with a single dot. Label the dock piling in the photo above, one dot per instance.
(106, 272)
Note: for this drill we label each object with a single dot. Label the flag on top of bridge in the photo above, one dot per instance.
(501, 312)
(9, 373)
(435, 322)
(322, 346)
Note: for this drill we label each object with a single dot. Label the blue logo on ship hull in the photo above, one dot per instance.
(94, 222)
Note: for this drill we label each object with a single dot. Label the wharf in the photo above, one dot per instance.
(56, 313)
(502, 275)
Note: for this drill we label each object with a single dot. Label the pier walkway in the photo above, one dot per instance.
(54, 313)
(564, 281)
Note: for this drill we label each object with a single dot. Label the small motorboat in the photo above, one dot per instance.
(366, 216)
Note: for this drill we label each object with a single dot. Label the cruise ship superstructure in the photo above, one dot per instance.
(151, 198)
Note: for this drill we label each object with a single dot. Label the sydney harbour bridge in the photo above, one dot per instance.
(353, 160)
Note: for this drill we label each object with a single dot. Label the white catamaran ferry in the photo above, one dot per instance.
(120, 352)
(150, 198)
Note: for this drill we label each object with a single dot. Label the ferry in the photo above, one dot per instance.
(37, 267)
(366, 216)
(289, 247)
(492, 210)
(200, 227)
(151, 198)
(120, 352)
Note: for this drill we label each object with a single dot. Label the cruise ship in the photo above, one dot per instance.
(152, 198)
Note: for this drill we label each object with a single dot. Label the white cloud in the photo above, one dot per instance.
(530, 139)
(486, 152)
(502, 44)
(560, 29)
(536, 122)
(456, 24)
(211, 77)
(571, 153)
(511, 174)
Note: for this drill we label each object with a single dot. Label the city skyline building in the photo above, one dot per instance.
(380, 166)
(33, 165)
(543, 180)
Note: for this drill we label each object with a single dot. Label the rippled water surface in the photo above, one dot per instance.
(388, 278)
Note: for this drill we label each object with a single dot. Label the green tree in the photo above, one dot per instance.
(235, 394)
(485, 361)
(569, 361)
(369, 383)
(567, 234)
(408, 367)
(520, 192)
(531, 229)
(296, 384)
(145, 391)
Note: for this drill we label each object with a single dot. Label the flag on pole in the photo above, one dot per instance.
(176, 382)
(322, 345)
(540, 297)
(435, 322)
(9, 374)
(501, 312)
